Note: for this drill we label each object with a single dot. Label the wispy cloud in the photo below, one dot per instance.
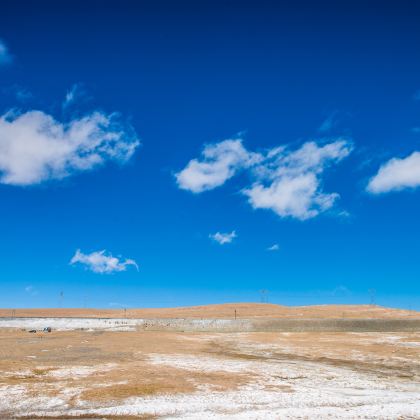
(31, 290)
(118, 305)
(223, 238)
(5, 57)
(396, 174)
(35, 147)
(286, 181)
(102, 262)
(18, 93)
(341, 291)
(76, 95)
(274, 247)
(329, 123)
(219, 162)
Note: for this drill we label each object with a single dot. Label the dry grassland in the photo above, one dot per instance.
(115, 375)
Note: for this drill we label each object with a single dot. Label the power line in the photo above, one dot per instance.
(264, 295)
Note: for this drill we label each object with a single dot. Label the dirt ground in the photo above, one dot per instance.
(121, 375)
(243, 310)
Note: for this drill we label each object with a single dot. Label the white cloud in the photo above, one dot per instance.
(291, 196)
(396, 174)
(219, 162)
(274, 247)
(223, 238)
(286, 182)
(101, 262)
(34, 147)
(5, 57)
(289, 183)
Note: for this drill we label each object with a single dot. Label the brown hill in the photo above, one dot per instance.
(243, 310)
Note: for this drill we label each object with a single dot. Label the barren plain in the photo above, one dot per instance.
(243, 375)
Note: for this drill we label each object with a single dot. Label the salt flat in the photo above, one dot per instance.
(262, 375)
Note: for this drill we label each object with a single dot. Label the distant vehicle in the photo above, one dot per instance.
(32, 331)
(47, 329)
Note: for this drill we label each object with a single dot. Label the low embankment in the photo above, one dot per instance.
(214, 325)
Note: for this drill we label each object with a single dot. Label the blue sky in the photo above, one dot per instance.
(178, 153)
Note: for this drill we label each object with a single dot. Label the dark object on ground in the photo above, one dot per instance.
(47, 329)
(32, 331)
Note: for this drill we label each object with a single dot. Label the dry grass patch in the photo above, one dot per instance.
(33, 376)
(90, 416)
(41, 371)
(280, 388)
(123, 391)
(220, 382)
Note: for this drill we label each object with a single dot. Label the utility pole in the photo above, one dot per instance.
(372, 295)
(264, 296)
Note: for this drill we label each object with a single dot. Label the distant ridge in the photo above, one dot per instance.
(243, 310)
